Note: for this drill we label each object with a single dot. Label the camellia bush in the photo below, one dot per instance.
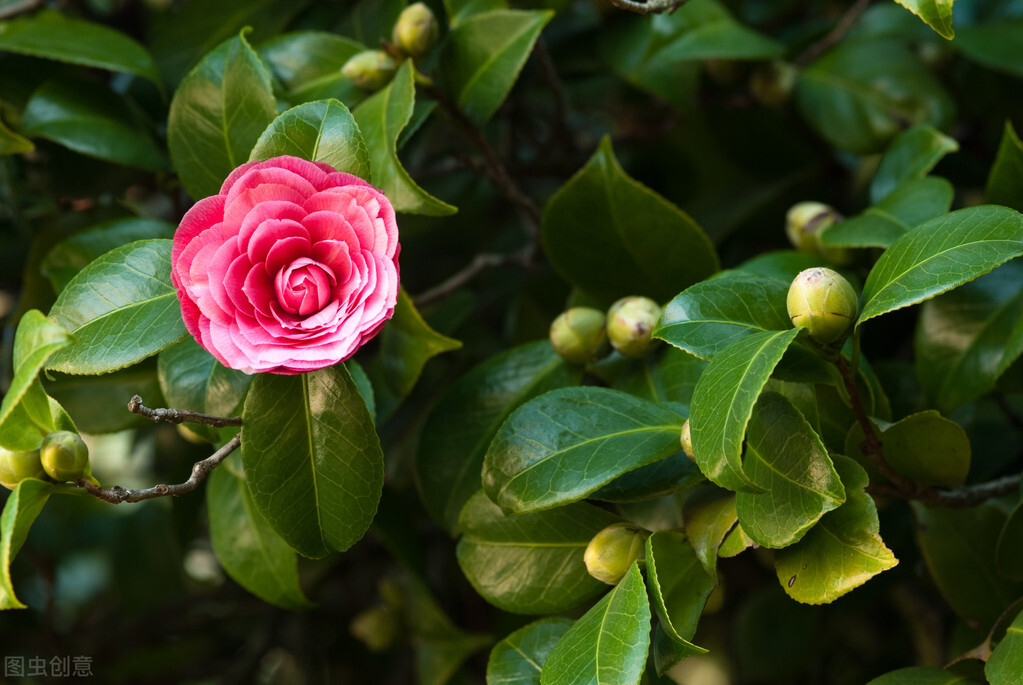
(555, 342)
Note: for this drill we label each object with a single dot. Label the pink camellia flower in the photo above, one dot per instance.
(291, 268)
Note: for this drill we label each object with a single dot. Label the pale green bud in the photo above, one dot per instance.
(416, 31)
(64, 456)
(370, 69)
(772, 82)
(824, 303)
(16, 466)
(612, 551)
(376, 627)
(687, 441)
(630, 324)
(806, 222)
(579, 335)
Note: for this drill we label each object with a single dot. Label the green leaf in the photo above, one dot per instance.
(959, 547)
(406, 344)
(666, 377)
(217, 115)
(679, 587)
(312, 458)
(939, 255)
(612, 236)
(322, 131)
(466, 418)
(370, 21)
(994, 45)
(924, 447)
(967, 338)
(246, 546)
(73, 254)
(562, 446)
(51, 35)
(483, 55)
(912, 155)
(93, 120)
(651, 481)
(11, 143)
(109, 302)
(308, 65)
(843, 551)
(519, 658)
(608, 645)
(710, 315)
(530, 563)
(910, 204)
(723, 402)
(708, 520)
(21, 509)
(782, 265)
(99, 403)
(861, 93)
(707, 30)
(1005, 181)
(935, 13)
(787, 460)
(920, 675)
(381, 119)
(1008, 551)
(1005, 664)
(460, 10)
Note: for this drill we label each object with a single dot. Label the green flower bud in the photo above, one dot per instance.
(579, 336)
(824, 303)
(804, 225)
(17, 466)
(376, 627)
(687, 441)
(64, 456)
(772, 82)
(416, 31)
(370, 69)
(630, 323)
(612, 551)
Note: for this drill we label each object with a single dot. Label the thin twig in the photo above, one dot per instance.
(479, 264)
(649, 7)
(14, 9)
(959, 498)
(845, 23)
(200, 471)
(135, 406)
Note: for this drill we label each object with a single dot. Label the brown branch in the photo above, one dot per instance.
(845, 23)
(135, 406)
(200, 470)
(478, 265)
(649, 7)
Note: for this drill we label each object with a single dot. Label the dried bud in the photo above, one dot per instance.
(416, 31)
(579, 336)
(804, 225)
(630, 323)
(612, 551)
(687, 441)
(64, 456)
(17, 466)
(772, 82)
(370, 69)
(824, 303)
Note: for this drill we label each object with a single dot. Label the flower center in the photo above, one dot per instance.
(304, 286)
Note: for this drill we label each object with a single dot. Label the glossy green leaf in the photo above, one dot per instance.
(246, 546)
(920, 675)
(312, 458)
(843, 551)
(217, 115)
(466, 418)
(723, 403)
(100, 403)
(935, 13)
(364, 385)
(381, 119)
(608, 645)
(669, 376)
(959, 548)
(460, 10)
(679, 586)
(11, 143)
(709, 31)
(308, 65)
(939, 255)
(20, 511)
(1008, 551)
(612, 236)
(560, 447)
(51, 35)
(406, 344)
(710, 315)
(787, 461)
(782, 265)
(651, 481)
(519, 658)
(861, 93)
(912, 155)
(707, 521)
(1005, 664)
(73, 254)
(483, 55)
(994, 45)
(104, 307)
(735, 543)
(910, 204)
(967, 338)
(530, 563)
(926, 448)
(93, 120)
(321, 131)
(1005, 181)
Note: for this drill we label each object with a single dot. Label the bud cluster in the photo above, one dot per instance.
(414, 35)
(62, 457)
(581, 334)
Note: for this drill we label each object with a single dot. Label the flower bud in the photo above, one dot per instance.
(804, 225)
(64, 456)
(579, 335)
(370, 69)
(17, 466)
(824, 303)
(416, 31)
(630, 323)
(612, 551)
(687, 441)
(376, 627)
(772, 82)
